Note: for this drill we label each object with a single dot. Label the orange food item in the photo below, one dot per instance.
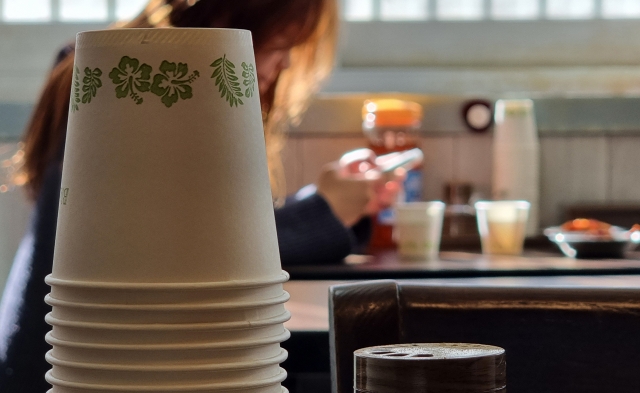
(634, 228)
(587, 225)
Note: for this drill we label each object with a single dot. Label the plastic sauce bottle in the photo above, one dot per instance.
(391, 125)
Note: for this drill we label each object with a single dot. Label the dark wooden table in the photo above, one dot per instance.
(308, 364)
(451, 264)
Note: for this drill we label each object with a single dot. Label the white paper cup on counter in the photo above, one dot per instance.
(418, 229)
(502, 226)
(165, 177)
(269, 385)
(165, 354)
(221, 334)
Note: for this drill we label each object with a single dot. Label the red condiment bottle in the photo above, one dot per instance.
(391, 125)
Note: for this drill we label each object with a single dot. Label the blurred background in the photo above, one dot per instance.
(578, 60)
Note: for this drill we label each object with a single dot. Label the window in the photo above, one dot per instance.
(369, 10)
(68, 11)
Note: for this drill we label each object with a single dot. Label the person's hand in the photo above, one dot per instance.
(351, 197)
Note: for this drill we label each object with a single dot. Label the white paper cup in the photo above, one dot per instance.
(165, 179)
(156, 293)
(167, 334)
(271, 385)
(502, 226)
(170, 375)
(165, 354)
(171, 313)
(418, 229)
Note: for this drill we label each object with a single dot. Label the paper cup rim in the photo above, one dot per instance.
(246, 365)
(518, 204)
(238, 344)
(241, 325)
(283, 298)
(164, 388)
(232, 284)
(182, 36)
(420, 205)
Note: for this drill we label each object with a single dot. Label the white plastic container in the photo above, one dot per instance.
(516, 157)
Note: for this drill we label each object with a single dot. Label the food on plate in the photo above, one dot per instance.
(587, 226)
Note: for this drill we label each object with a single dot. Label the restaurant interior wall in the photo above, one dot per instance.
(563, 58)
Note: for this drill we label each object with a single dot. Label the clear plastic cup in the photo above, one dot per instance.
(167, 334)
(418, 229)
(169, 313)
(502, 226)
(166, 354)
(169, 375)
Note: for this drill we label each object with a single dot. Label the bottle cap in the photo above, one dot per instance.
(391, 112)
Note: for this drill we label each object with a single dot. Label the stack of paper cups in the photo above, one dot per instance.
(516, 157)
(166, 273)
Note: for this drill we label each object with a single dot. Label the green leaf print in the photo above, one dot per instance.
(131, 77)
(249, 76)
(91, 83)
(227, 81)
(172, 83)
(75, 95)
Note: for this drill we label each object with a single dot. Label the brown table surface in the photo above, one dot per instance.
(310, 308)
(452, 264)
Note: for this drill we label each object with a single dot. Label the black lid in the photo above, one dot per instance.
(430, 368)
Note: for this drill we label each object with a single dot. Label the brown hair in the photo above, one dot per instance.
(312, 55)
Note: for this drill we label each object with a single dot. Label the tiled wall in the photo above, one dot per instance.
(574, 169)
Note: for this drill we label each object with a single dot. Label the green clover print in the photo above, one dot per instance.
(131, 77)
(172, 83)
(91, 84)
(249, 76)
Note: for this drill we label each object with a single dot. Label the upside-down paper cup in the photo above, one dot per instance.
(198, 374)
(270, 385)
(166, 354)
(165, 174)
(221, 333)
(170, 313)
(67, 388)
(157, 293)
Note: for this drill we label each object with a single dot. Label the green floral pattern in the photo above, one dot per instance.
(227, 81)
(249, 76)
(75, 96)
(91, 84)
(131, 78)
(172, 83)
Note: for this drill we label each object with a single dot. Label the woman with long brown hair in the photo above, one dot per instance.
(294, 44)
